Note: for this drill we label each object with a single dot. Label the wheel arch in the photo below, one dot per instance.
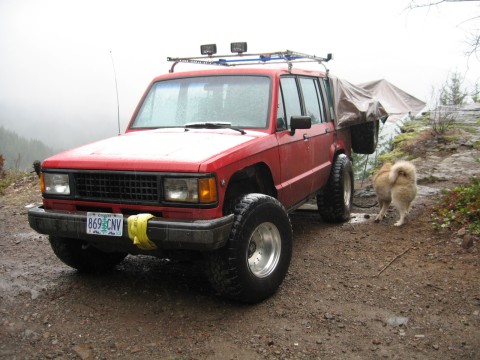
(255, 178)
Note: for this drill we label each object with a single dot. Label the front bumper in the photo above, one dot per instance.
(202, 235)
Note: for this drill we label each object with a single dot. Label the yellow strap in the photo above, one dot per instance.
(137, 231)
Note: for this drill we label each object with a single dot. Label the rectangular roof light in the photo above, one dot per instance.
(238, 47)
(209, 49)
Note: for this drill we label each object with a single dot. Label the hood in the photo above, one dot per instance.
(153, 150)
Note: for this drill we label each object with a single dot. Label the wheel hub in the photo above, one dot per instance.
(264, 249)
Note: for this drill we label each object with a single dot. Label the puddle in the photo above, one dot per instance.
(360, 218)
(355, 218)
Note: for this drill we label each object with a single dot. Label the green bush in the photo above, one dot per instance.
(459, 208)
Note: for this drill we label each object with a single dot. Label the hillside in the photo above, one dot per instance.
(19, 152)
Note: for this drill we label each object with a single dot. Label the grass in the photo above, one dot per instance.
(8, 177)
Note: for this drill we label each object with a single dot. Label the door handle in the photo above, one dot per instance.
(305, 136)
(327, 130)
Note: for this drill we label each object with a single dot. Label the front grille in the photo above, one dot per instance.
(121, 187)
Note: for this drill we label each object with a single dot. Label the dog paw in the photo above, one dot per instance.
(376, 220)
(398, 223)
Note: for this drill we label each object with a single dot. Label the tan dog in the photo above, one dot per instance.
(396, 184)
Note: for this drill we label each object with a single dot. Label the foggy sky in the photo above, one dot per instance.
(57, 81)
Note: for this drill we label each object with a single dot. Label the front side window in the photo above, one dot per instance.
(239, 100)
(290, 97)
(281, 119)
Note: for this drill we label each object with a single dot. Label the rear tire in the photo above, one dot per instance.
(80, 255)
(334, 201)
(255, 260)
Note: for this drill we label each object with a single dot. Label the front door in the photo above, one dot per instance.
(295, 150)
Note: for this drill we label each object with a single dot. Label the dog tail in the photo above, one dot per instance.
(402, 168)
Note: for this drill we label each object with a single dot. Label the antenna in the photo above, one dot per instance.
(116, 90)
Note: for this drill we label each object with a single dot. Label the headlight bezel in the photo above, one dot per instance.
(55, 183)
(190, 190)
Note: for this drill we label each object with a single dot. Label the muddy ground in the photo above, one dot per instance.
(354, 291)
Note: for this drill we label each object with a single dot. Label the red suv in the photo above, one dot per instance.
(211, 164)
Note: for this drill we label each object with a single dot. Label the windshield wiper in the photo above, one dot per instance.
(213, 125)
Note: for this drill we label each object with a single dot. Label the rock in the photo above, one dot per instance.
(83, 351)
(329, 316)
(30, 334)
(397, 321)
(34, 294)
(467, 241)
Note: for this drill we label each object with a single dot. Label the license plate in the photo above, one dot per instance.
(104, 224)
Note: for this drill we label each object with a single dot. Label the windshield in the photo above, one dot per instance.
(239, 100)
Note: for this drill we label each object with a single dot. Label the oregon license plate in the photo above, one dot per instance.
(104, 224)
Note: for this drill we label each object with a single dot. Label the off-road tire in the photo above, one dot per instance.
(255, 260)
(334, 201)
(83, 257)
(365, 137)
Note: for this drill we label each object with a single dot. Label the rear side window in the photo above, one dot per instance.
(312, 99)
(328, 91)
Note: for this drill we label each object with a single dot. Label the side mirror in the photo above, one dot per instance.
(300, 122)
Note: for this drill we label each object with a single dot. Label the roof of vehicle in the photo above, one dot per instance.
(268, 71)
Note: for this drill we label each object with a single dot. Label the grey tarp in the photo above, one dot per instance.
(370, 101)
(397, 102)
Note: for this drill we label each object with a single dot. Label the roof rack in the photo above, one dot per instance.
(240, 58)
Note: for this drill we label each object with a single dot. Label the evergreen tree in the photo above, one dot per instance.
(452, 92)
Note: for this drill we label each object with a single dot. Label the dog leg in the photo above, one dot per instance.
(383, 209)
(377, 218)
(400, 221)
(409, 208)
(403, 213)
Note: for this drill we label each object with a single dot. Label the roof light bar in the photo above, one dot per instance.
(240, 57)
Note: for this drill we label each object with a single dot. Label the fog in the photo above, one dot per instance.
(57, 80)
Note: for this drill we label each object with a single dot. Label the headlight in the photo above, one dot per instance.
(56, 184)
(191, 190)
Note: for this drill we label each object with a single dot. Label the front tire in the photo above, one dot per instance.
(255, 260)
(84, 257)
(335, 200)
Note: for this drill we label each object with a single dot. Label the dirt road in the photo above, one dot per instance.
(354, 291)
